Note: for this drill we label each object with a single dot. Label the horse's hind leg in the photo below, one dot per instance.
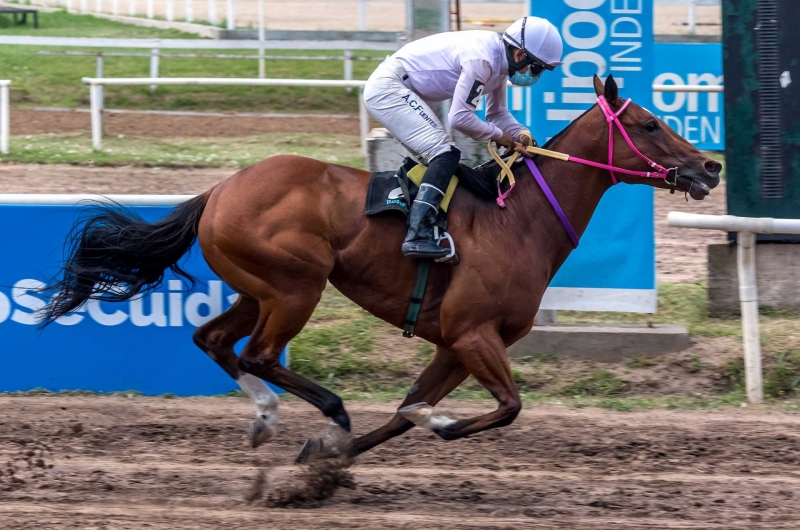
(217, 338)
(483, 353)
(279, 321)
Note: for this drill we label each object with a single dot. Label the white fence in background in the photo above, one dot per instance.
(688, 88)
(747, 228)
(96, 94)
(4, 116)
(156, 45)
(347, 59)
(96, 85)
(197, 44)
(237, 12)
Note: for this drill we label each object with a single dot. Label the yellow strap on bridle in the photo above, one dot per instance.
(505, 167)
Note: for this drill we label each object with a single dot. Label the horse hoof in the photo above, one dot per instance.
(260, 432)
(310, 450)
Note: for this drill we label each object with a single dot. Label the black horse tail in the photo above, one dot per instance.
(115, 255)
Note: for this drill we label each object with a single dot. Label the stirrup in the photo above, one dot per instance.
(439, 238)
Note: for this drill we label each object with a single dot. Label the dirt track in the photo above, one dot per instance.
(168, 464)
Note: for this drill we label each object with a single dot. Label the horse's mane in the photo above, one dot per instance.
(480, 180)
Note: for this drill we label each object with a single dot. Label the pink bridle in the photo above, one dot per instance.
(613, 118)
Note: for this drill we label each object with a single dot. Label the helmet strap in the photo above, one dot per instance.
(513, 65)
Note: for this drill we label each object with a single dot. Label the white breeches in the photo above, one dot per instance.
(404, 114)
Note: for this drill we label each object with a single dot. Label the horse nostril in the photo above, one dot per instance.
(712, 167)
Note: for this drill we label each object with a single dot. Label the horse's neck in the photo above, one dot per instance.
(577, 188)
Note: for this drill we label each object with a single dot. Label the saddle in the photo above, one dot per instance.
(394, 191)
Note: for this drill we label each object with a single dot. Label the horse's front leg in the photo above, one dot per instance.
(443, 374)
(483, 354)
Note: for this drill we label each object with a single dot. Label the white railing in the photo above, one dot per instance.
(75, 199)
(688, 88)
(197, 44)
(4, 115)
(747, 228)
(96, 94)
(171, 10)
(154, 55)
(155, 46)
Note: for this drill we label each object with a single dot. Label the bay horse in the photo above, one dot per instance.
(278, 231)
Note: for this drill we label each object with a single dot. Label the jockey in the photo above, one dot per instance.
(462, 66)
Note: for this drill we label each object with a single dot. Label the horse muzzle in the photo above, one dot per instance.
(698, 180)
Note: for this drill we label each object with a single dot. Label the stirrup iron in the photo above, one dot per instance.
(439, 238)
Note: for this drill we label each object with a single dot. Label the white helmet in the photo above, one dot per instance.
(541, 39)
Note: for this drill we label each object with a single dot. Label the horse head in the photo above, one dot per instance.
(692, 171)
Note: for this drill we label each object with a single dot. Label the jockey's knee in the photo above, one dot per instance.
(447, 159)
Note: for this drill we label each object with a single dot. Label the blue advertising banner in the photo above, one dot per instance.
(144, 344)
(614, 267)
(697, 117)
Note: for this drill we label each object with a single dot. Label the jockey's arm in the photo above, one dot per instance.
(469, 89)
(497, 113)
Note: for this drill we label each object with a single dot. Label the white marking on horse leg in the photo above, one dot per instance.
(266, 401)
(337, 438)
(423, 415)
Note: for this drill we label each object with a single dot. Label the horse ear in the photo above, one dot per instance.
(611, 91)
(598, 86)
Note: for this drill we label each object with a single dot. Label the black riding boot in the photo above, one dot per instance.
(419, 242)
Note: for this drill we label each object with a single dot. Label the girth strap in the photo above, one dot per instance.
(415, 303)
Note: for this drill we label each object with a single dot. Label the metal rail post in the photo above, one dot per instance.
(132, 8)
(97, 116)
(363, 117)
(100, 76)
(231, 20)
(362, 15)
(189, 11)
(170, 10)
(154, 55)
(748, 298)
(348, 67)
(262, 65)
(212, 12)
(4, 117)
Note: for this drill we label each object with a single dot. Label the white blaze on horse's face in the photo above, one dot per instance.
(266, 424)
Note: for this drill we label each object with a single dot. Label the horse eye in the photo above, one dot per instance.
(651, 127)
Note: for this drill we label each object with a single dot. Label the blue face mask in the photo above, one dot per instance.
(526, 79)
